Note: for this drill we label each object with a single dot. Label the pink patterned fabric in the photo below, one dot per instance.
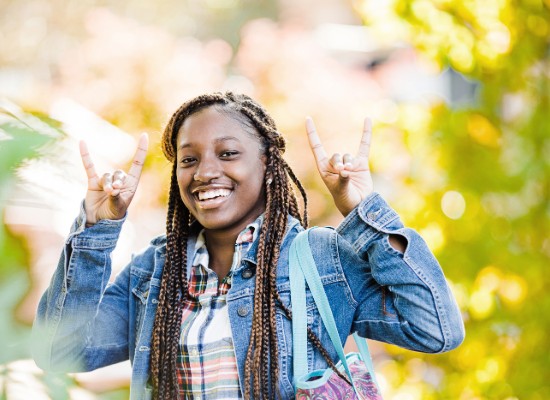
(336, 388)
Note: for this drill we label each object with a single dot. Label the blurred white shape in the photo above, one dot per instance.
(346, 38)
(20, 380)
(453, 204)
(105, 141)
(51, 188)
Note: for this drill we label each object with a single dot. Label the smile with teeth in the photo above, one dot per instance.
(212, 194)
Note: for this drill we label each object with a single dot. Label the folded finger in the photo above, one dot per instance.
(107, 182)
(119, 177)
(347, 159)
(336, 161)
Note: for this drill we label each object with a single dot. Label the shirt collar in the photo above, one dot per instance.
(247, 235)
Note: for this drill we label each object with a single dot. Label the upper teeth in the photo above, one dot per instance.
(210, 194)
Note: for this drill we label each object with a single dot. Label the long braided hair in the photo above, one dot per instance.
(261, 365)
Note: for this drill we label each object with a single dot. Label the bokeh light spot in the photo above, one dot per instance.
(453, 204)
(483, 131)
(489, 371)
(512, 290)
(489, 278)
(433, 234)
(482, 304)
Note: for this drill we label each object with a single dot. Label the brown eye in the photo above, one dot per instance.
(186, 161)
(229, 154)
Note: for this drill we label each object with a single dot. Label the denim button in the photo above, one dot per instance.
(247, 273)
(373, 214)
(243, 311)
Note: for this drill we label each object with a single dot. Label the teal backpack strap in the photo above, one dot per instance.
(299, 313)
(307, 265)
(363, 348)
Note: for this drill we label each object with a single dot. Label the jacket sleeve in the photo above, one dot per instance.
(82, 319)
(402, 298)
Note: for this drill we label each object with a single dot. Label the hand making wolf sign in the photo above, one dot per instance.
(347, 178)
(108, 197)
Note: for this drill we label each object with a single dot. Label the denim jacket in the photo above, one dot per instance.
(84, 322)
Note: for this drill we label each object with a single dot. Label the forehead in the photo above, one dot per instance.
(212, 123)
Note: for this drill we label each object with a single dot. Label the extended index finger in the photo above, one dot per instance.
(315, 143)
(139, 157)
(87, 161)
(364, 147)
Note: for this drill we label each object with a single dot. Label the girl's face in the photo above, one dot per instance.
(220, 171)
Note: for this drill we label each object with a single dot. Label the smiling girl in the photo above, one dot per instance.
(204, 311)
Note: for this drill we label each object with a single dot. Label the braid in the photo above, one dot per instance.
(300, 187)
(173, 285)
(261, 369)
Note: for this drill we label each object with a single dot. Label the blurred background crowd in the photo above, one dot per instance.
(459, 95)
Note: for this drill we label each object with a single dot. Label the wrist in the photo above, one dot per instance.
(90, 221)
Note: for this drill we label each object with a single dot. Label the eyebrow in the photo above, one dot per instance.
(218, 140)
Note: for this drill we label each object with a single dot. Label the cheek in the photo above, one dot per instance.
(183, 184)
(259, 187)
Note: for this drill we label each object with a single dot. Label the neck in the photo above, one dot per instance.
(221, 248)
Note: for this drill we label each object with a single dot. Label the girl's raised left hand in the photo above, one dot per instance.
(347, 178)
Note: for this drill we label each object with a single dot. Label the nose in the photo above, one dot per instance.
(208, 168)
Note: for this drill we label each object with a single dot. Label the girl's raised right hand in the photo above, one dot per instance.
(109, 196)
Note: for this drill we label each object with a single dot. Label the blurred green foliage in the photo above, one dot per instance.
(488, 215)
(22, 137)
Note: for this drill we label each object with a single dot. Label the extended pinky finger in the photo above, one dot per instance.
(364, 147)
